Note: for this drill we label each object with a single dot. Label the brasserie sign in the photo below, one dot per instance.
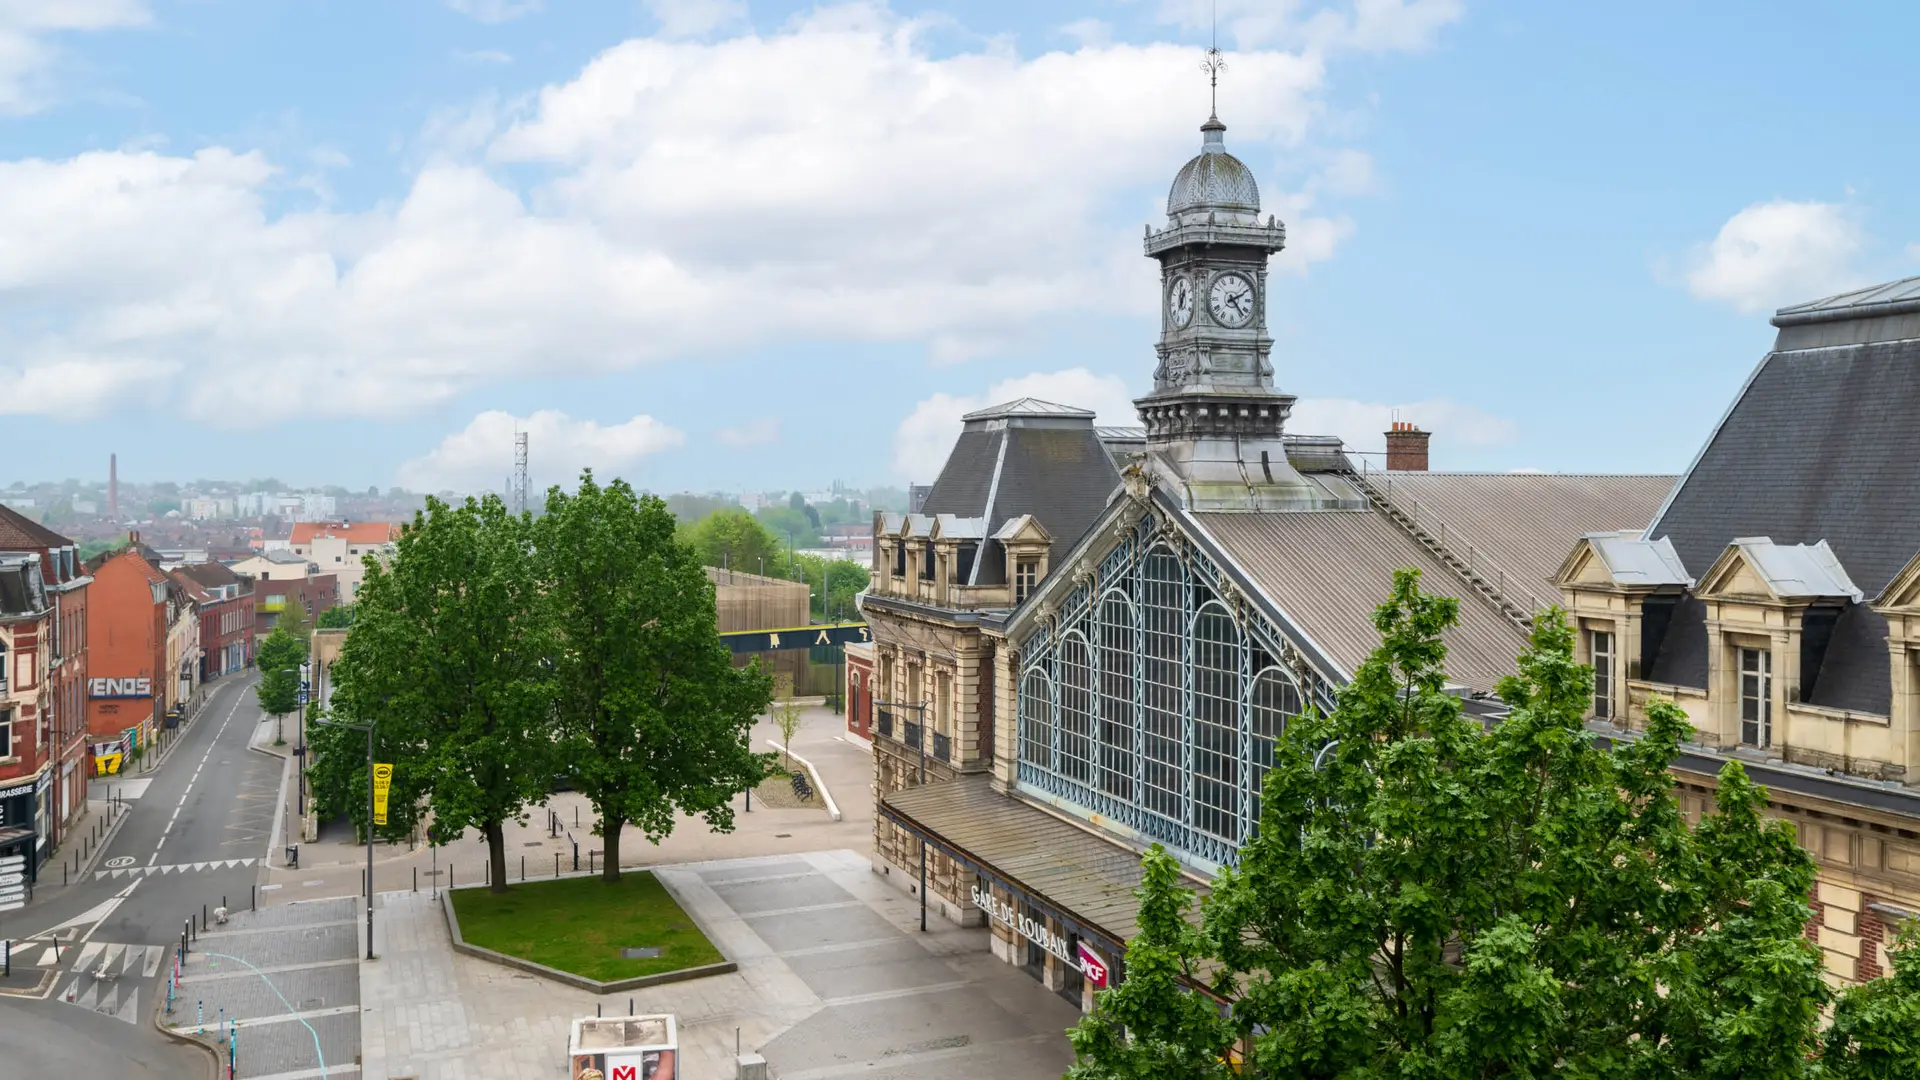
(1036, 931)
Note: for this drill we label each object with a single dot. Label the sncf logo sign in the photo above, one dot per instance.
(625, 1072)
(119, 688)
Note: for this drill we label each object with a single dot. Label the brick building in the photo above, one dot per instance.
(226, 617)
(131, 605)
(281, 579)
(58, 774)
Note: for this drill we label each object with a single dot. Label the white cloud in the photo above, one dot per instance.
(1365, 26)
(485, 56)
(495, 11)
(1089, 31)
(924, 439)
(1780, 252)
(696, 18)
(28, 54)
(753, 433)
(834, 180)
(480, 457)
(1363, 424)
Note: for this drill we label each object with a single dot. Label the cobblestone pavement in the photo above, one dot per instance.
(834, 980)
(286, 978)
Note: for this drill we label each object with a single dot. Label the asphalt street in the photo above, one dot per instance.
(196, 834)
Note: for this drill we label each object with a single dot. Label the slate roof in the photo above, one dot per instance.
(1797, 571)
(213, 574)
(19, 532)
(1026, 457)
(1820, 444)
(22, 592)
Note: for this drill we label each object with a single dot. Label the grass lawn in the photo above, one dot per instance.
(581, 924)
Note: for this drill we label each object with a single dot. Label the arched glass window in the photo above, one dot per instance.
(1162, 592)
(1076, 708)
(1216, 722)
(1036, 719)
(1275, 700)
(1116, 695)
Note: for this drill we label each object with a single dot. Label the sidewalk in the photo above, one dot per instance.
(834, 980)
(334, 865)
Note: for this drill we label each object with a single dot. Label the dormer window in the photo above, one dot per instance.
(926, 562)
(900, 558)
(1756, 697)
(1026, 573)
(1600, 652)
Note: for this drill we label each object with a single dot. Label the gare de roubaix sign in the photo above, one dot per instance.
(1090, 963)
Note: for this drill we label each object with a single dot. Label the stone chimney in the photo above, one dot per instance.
(1407, 448)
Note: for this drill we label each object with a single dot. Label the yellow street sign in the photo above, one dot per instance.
(382, 781)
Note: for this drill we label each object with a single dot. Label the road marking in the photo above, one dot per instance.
(888, 995)
(293, 1017)
(172, 868)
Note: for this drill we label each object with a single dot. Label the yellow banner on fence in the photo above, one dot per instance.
(382, 781)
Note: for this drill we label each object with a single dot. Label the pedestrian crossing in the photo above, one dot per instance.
(107, 978)
(172, 868)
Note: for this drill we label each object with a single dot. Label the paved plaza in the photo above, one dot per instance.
(834, 980)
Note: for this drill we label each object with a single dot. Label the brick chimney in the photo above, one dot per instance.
(1407, 447)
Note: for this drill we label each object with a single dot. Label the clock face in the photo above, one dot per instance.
(1180, 301)
(1231, 300)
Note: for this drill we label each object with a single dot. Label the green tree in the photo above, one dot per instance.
(653, 716)
(335, 618)
(1427, 897)
(1876, 1025)
(293, 620)
(787, 714)
(279, 657)
(1153, 1026)
(452, 659)
(732, 538)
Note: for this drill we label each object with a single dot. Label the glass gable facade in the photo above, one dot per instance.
(1154, 695)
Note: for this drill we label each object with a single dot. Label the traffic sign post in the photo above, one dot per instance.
(13, 882)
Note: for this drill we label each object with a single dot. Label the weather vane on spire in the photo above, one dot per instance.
(1214, 64)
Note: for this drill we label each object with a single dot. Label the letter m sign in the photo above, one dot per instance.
(625, 1072)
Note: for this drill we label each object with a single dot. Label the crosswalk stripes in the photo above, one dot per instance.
(107, 978)
(172, 868)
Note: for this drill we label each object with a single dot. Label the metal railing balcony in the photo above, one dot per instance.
(886, 724)
(910, 734)
(942, 747)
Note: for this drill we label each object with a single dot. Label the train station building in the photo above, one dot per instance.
(1086, 638)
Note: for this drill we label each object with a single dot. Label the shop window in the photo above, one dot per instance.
(6, 734)
(1600, 650)
(1756, 697)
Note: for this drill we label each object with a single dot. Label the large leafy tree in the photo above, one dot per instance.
(731, 538)
(653, 717)
(279, 656)
(451, 657)
(1430, 897)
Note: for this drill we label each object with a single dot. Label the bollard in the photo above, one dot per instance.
(449, 875)
(576, 856)
(556, 864)
(523, 868)
(253, 898)
(629, 1006)
(576, 817)
(590, 856)
(416, 879)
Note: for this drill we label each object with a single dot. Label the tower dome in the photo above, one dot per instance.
(1214, 182)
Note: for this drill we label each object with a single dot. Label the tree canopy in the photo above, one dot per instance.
(450, 657)
(653, 718)
(278, 657)
(1431, 897)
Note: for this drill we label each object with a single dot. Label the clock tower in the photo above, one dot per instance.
(1214, 419)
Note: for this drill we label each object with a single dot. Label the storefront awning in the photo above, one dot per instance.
(1086, 877)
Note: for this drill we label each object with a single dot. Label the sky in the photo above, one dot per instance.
(751, 245)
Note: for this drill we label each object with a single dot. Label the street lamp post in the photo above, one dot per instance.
(300, 745)
(368, 728)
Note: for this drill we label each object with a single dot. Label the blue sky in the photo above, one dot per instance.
(755, 245)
